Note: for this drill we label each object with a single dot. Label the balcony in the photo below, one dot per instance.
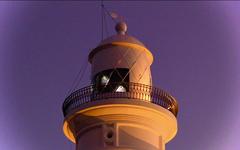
(134, 91)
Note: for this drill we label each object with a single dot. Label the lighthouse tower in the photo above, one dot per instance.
(120, 110)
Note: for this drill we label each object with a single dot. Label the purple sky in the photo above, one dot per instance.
(197, 57)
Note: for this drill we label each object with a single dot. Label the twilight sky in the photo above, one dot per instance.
(197, 57)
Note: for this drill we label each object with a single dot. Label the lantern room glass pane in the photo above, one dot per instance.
(110, 80)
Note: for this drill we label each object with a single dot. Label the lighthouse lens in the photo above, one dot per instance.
(120, 88)
(104, 80)
(111, 80)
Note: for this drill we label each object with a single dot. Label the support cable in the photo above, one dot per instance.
(143, 73)
(106, 25)
(104, 13)
(102, 16)
(74, 81)
(79, 76)
(133, 65)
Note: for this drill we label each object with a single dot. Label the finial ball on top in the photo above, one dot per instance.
(121, 28)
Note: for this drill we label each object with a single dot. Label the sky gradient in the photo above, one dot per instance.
(196, 52)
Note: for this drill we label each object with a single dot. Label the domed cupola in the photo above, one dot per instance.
(120, 59)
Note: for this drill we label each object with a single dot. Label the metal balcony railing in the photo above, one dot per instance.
(134, 91)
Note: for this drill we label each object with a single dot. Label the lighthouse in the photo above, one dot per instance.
(120, 109)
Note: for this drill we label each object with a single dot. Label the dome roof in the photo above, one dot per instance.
(121, 38)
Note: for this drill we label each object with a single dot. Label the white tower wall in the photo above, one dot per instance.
(121, 124)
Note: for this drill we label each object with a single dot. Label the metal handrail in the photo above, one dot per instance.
(135, 91)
